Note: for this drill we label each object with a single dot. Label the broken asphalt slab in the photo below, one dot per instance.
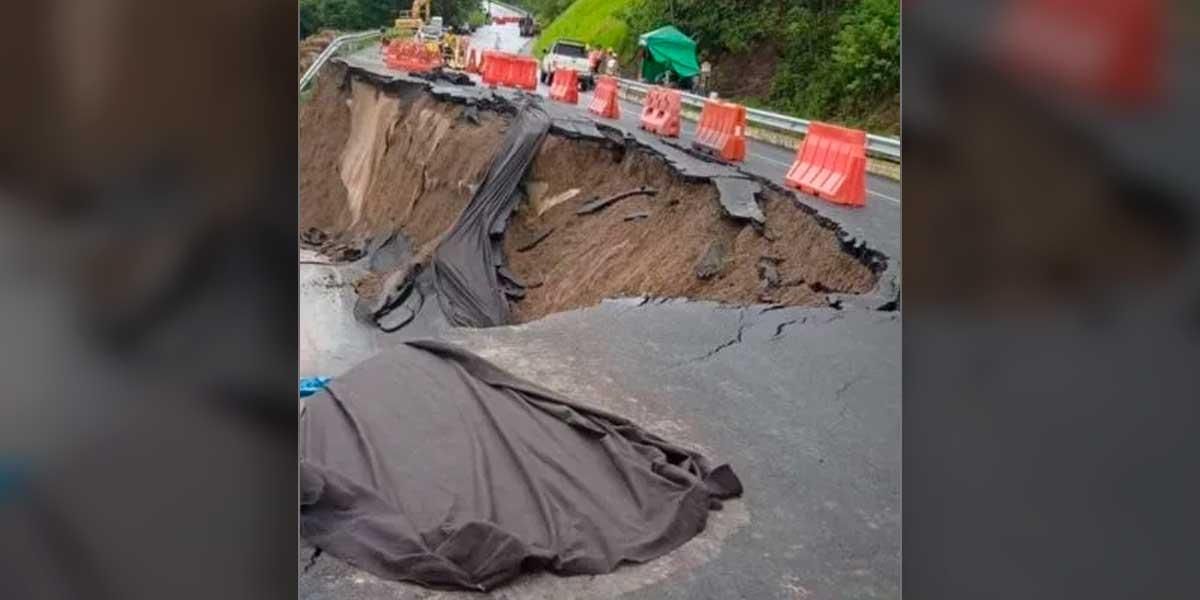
(870, 233)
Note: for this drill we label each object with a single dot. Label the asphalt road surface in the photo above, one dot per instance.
(804, 403)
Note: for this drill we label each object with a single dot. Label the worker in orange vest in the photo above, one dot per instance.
(594, 59)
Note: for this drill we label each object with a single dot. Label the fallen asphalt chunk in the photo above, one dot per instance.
(737, 197)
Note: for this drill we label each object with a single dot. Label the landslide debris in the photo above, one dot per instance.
(377, 160)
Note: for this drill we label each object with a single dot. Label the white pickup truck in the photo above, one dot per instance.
(432, 31)
(568, 54)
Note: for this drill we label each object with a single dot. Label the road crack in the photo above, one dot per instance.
(312, 560)
(737, 339)
(780, 327)
(837, 394)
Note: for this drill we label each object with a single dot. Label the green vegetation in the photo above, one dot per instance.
(344, 15)
(360, 15)
(477, 18)
(596, 22)
(832, 60)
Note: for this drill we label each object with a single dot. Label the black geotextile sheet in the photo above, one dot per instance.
(429, 464)
(466, 264)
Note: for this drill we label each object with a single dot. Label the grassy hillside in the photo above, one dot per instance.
(596, 22)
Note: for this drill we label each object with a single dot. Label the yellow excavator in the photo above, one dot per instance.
(417, 23)
(416, 18)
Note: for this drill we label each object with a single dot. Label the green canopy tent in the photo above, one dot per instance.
(668, 49)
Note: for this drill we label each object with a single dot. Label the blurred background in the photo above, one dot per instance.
(1052, 298)
(148, 303)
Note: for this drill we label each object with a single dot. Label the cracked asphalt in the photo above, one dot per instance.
(804, 403)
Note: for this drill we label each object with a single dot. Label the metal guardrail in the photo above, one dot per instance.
(877, 145)
(332, 49)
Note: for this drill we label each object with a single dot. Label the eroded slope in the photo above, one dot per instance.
(380, 159)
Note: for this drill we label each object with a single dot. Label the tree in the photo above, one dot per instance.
(835, 60)
(867, 52)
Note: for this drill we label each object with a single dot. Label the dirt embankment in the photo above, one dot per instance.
(657, 252)
(373, 161)
(312, 46)
(376, 161)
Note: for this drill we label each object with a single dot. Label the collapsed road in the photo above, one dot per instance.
(790, 373)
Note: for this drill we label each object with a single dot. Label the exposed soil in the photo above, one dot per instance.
(591, 257)
(312, 46)
(375, 161)
(415, 175)
(324, 129)
(747, 75)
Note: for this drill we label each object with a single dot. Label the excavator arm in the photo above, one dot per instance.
(420, 10)
(416, 18)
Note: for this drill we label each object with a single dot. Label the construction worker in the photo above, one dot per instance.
(595, 57)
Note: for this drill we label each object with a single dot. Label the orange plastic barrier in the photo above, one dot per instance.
(509, 70)
(524, 72)
(831, 163)
(722, 130)
(412, 56)
(604, 99)
(565, 86)
(660, 111)
(492, 66)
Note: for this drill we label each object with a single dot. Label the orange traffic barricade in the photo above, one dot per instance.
(831, 163)
(412, 56)
(509, 70)
(604, 98)
(493, 65)
(524, 72)
(565, 86)
(660, 111)
(721, 131)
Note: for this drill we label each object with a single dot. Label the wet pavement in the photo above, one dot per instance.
(804, 403)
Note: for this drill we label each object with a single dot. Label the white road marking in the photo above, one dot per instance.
(885, 196)
(789, 165)
(785, 165)
(771, 160)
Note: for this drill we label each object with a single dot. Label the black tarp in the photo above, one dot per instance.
(429, 464)
(465, 264)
